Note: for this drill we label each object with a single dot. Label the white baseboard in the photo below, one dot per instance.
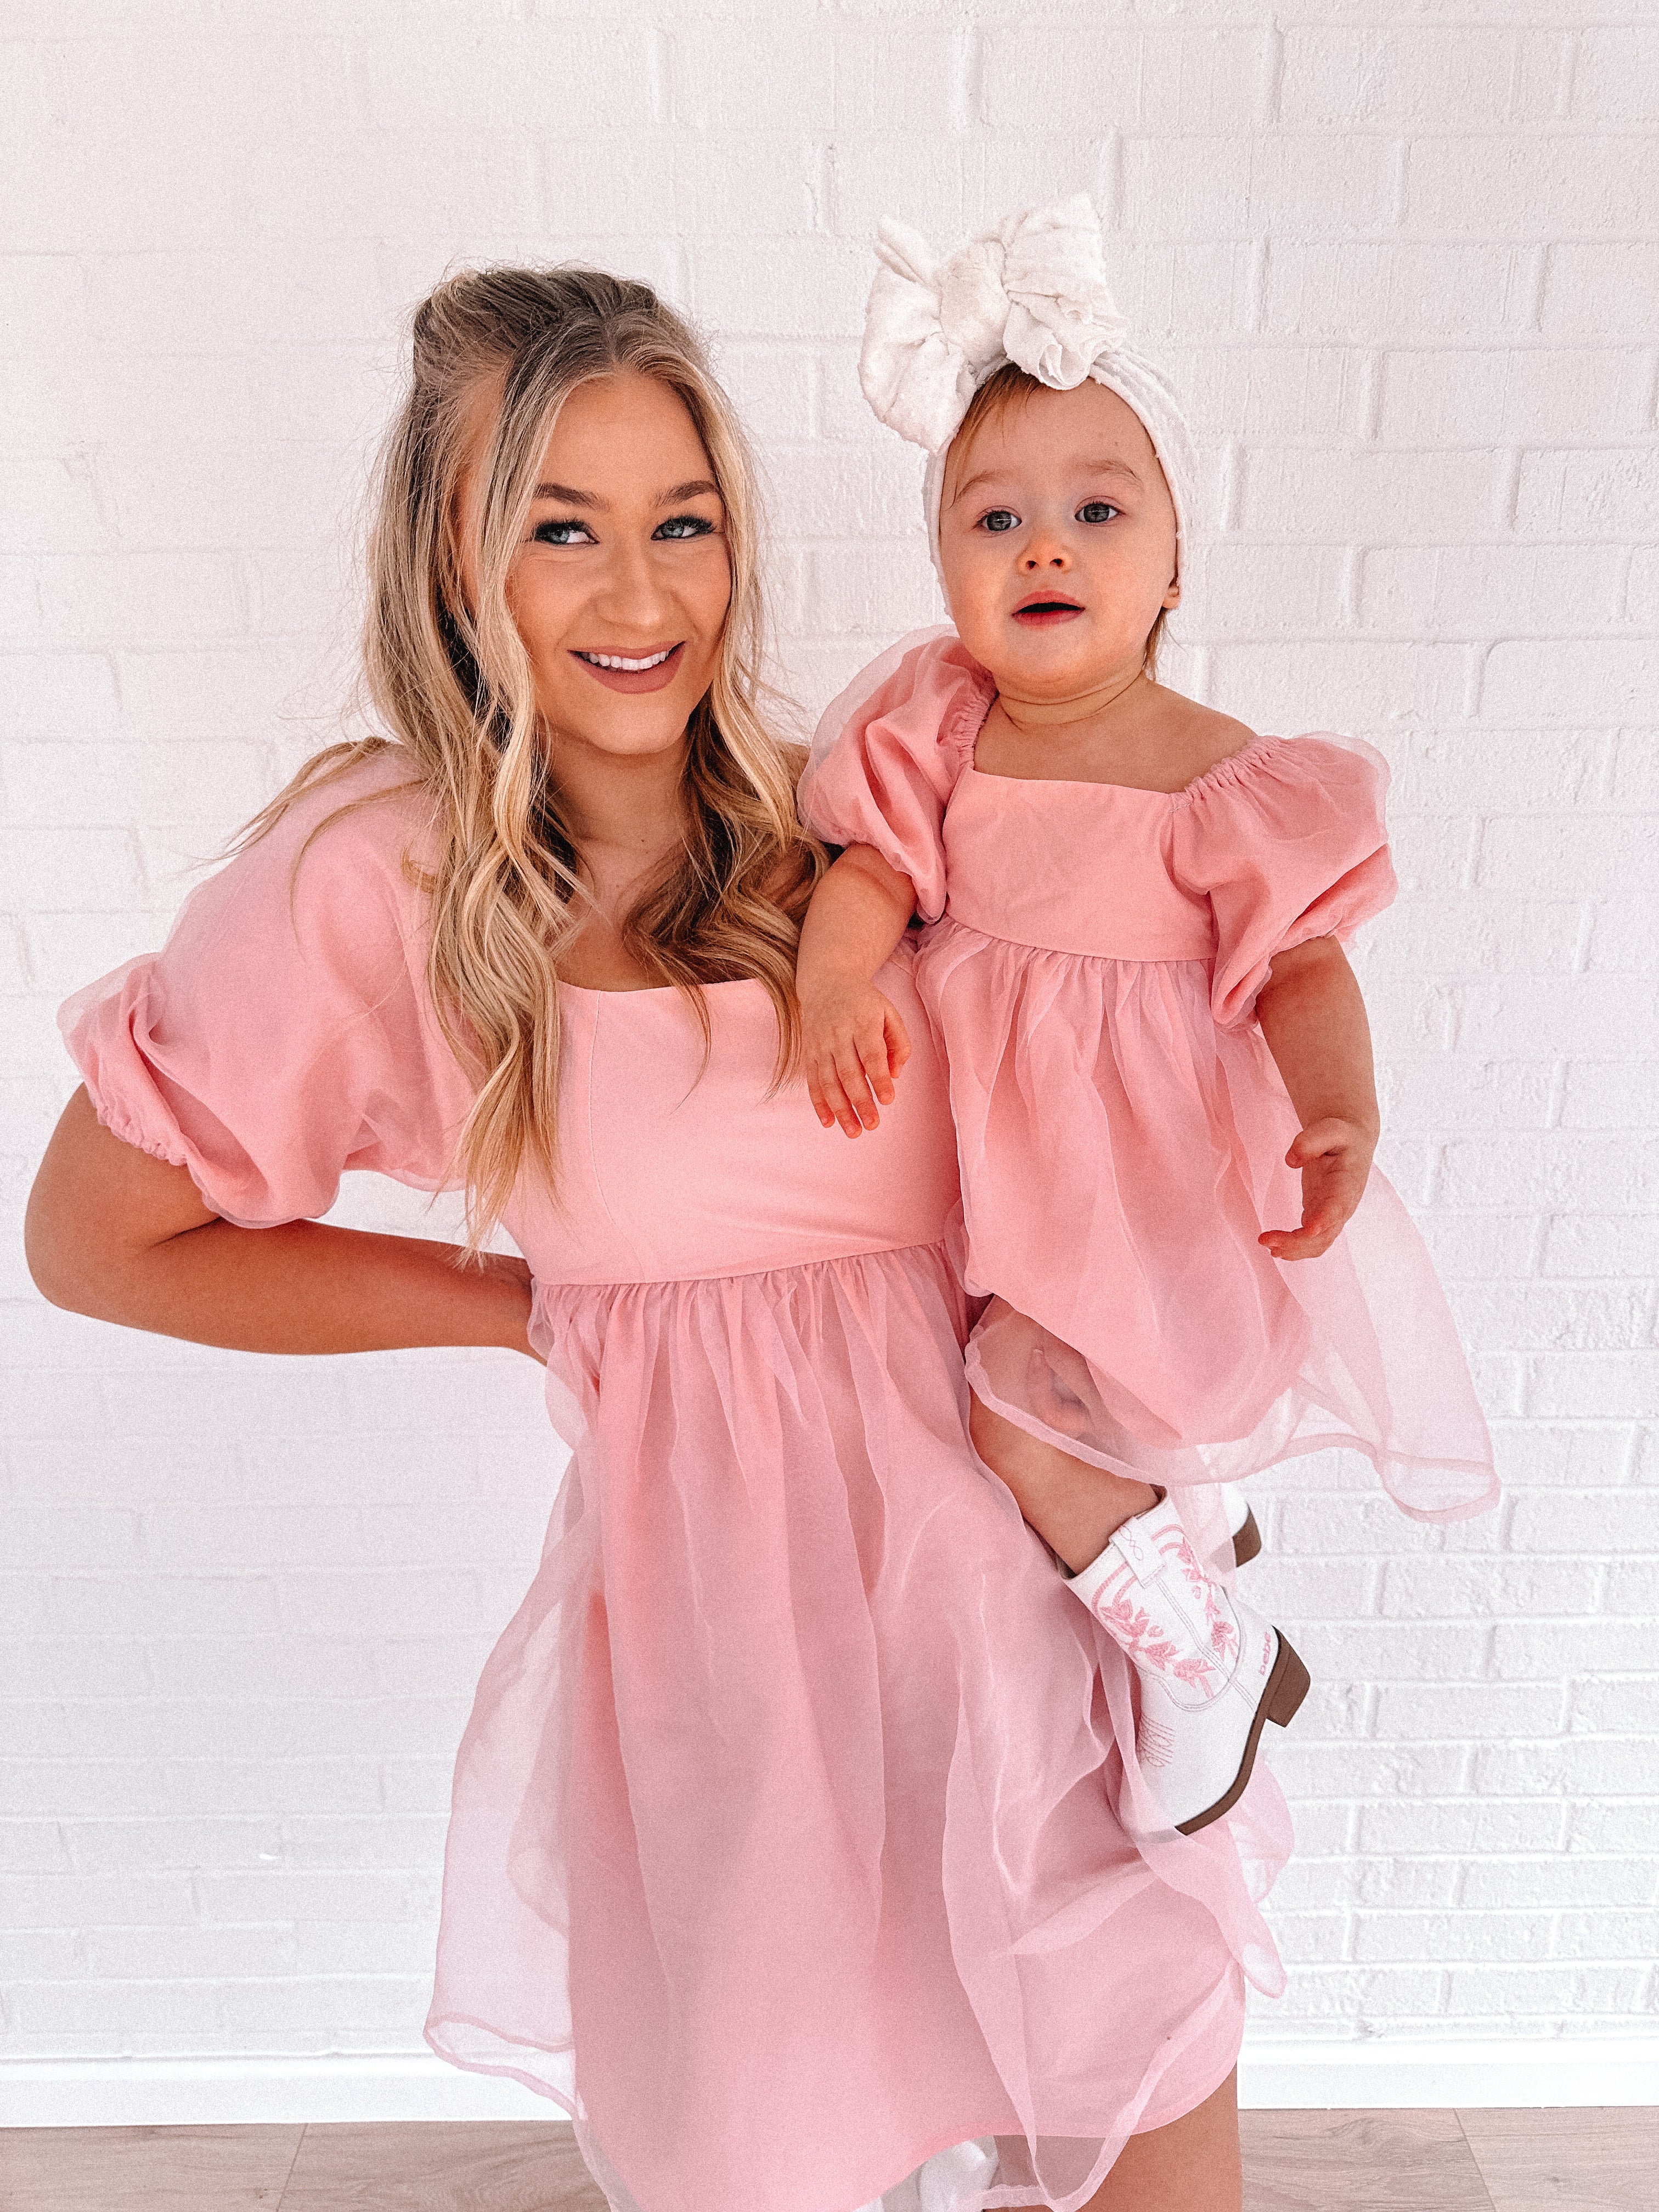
(1311, 2073)
(1275, 2074)
(172, 2092)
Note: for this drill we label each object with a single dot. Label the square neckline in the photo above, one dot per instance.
(651, 990)
(1215, 772)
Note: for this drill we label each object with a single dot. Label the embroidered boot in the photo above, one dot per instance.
(1212, 1671)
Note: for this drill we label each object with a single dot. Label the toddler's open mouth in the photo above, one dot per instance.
(1045, 608)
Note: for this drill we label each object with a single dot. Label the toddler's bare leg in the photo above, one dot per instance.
(1075, 1507)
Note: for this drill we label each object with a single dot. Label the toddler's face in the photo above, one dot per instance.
(1057, 540)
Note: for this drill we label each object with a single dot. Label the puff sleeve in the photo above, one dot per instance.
(284, 1034)
(889, 752)
(1288, 841)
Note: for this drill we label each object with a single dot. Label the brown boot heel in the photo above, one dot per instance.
(1287, 1686)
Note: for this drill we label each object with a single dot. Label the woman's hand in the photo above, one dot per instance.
(512, 1272)
(1335, 1159)
(853, 1046)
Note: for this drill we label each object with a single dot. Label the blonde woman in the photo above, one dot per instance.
(789, 1820)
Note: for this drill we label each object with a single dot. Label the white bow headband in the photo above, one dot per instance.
(1031, 290)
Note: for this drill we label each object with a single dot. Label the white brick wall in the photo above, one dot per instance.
(1403, 259)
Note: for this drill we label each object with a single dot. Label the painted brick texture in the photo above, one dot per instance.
(1404, 261)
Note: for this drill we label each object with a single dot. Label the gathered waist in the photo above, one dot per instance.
(1179, 941)
(550, 1286)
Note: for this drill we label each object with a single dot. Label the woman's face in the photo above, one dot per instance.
(620, 584)
(1057, 541)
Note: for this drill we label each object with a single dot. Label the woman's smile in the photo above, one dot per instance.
(636, 672)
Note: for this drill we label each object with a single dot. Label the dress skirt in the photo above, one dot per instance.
(794, 1847)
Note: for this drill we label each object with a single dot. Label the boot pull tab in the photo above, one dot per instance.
(1144, 1560)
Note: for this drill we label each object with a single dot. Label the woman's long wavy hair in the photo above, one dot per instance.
(451, 683)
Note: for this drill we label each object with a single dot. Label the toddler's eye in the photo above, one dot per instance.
(682, 527)
(562, 531)
(1096, 510)
(1000, 518)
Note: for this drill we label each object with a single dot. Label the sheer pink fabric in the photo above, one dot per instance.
(798, 1843)
(1092, 970)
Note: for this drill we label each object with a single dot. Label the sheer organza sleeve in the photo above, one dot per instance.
(888, 753)
(284, 1033)
(1288, 840)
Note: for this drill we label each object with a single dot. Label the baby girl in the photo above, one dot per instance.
(1136, 911)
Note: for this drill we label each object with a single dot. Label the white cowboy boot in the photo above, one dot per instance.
(1242, 1525)
(1212, 1671)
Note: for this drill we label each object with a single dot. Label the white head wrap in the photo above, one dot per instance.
(1031, 290)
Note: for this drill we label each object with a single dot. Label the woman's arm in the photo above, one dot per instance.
(114, 1233)
(853, 1042)
(1313, 1017)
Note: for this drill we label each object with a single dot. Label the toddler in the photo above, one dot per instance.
(1133, 959)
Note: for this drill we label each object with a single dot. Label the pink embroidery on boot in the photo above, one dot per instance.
(1133, 1630)
(1223, 1631)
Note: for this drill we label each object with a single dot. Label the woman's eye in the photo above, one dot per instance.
(1000, 518)
(684, 525)
(1096, 510)
(561, 532)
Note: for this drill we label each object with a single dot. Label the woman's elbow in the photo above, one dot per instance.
(54, 1250)
(97, 1206)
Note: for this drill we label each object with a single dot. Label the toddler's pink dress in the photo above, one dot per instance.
(1091, 968)
(795, 1847)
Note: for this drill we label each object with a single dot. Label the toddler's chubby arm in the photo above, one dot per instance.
(853, 1042)
(1314, 1020)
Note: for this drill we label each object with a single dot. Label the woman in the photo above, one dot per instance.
(791, 1817)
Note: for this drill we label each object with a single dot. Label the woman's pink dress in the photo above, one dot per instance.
(1092, 970)
(795, 1847)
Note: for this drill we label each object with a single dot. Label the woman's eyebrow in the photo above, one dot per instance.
(568, 494)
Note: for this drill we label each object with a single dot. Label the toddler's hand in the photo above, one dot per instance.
(852, 1045)
(1335, 1159)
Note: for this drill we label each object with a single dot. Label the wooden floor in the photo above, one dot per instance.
(1501, 2161)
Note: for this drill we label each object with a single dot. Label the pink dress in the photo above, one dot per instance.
(1091, 968)
(795, 1847)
